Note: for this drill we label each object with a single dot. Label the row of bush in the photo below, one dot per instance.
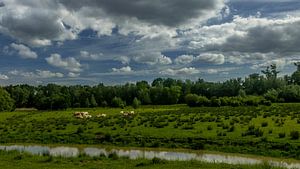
(194, 100)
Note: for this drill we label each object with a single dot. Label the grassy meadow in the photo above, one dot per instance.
(263, 130)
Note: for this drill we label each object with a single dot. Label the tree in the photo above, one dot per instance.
(118, 102)
(290, 93)
(272, 95)
(271, 71)
(191, 100)
(136, 103)
(93, 102)
(6, 102)
(296, 75)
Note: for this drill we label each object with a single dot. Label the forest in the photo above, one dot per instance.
(255, 89)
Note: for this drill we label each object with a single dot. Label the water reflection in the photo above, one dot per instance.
(138, 154)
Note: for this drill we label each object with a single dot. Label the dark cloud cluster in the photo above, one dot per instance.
(165, 12)
(277, 37)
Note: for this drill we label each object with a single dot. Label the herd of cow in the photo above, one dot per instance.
(86, 115)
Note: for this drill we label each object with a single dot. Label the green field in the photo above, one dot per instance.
(264, 130)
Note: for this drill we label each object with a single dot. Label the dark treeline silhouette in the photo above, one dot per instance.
(253, 90)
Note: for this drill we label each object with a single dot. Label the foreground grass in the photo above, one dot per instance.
(15, 160)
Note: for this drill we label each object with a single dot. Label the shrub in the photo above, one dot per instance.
(271, 95)
(294, 135)
(118, 102)
(231, 129)
(136, 103)
(156, 160)
(264, 124)
(203, 101)
(209, 127)
(281, 135)
(191, 100)
(216, 102)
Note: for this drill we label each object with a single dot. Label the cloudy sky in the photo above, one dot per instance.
(118, 41)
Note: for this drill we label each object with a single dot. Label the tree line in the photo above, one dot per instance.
(258, 88)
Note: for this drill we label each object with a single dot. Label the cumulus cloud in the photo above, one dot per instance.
(3, 77)
(182, 71)
(211, 58)
(184, 59)
(48, 74)
(123, 59)
(280, 63)
(87, 56)
(24, 51)
(246, 39)
(44, 74)
(153, 58)
(70, 63)
(126, 69)
(73, 75)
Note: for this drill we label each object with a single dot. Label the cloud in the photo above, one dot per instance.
(213, 58)
(153, 58)
(184, 59)
(123, 59)
(70, 63)
(43, 74)
(158, 12)
(87, 56)
(280, 63)
(24, 51)
(48, 74)
(34, 22)
(246, 39)
(3, 77)
(126, 69)
(73, 75)
(40, 23)
(182, 71)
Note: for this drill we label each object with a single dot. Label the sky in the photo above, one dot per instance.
(88, 42)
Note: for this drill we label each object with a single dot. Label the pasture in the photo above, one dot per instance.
(263, 130)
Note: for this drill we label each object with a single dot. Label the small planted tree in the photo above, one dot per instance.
(136, 103)
(118, 102)
(191, 100)
(6, 102)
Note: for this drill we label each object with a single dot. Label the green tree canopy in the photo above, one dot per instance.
(6, 102)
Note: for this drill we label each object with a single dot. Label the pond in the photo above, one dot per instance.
(68, 152)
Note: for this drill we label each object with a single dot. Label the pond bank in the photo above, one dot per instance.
(73, 152)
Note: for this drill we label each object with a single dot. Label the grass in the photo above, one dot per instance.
(225, 129)
(15, 160)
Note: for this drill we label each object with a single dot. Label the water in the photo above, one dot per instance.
(68, 152)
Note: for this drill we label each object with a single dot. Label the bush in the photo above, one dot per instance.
(264, 124)
(290, 93)
(271, 95)
(156, 160)
(191, 100)
(118, 102)
(136, 103)
(209, 127)
(203, 101)
(281, 135)
(294, 135)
